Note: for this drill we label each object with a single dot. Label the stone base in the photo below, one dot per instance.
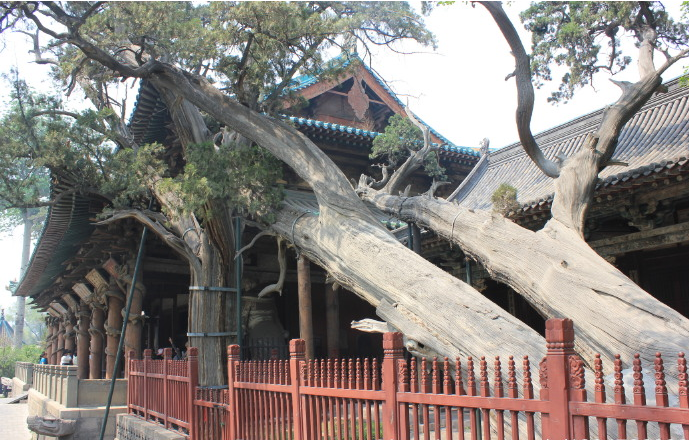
(133, 428)
(89, 419)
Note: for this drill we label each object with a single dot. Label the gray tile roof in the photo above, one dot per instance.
(655, 139)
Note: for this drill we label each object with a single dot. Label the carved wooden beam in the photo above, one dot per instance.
(97, 280)
(637, 241)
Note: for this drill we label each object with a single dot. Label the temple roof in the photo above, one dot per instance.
(6, 330)
(68, 224)
(654, 141)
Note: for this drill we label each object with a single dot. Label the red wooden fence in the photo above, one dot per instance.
(361, 399)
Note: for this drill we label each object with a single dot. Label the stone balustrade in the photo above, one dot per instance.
(24, 372)
(57, 382)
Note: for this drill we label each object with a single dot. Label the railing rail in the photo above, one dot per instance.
(299, 399)
(24, 372)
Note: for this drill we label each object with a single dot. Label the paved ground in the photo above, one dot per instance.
(13, 421)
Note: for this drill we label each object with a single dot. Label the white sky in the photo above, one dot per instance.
(459, 90)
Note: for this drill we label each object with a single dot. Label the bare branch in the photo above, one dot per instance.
(415, 159)
(55, 113)
(525, 92)
(253, 242)
(282, 261)
(37, 49)
(152, 220)
(646, 50)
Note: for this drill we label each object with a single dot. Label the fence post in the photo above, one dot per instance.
(392, 353)
(131, 383)
(554, 373)
(297, 347)
(146, 385)
(167, 357)
(193, 373)
(233, 356)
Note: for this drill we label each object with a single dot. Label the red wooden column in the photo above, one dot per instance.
(305, 307)
(392, 353)
(559, 336)
(332, 319)
(70, 333)
(296, 357)
(83, 341)
(113, 327)
(193, 372)
(60, 351)
(52, 335)
(97, 332)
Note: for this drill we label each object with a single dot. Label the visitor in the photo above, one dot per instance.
(43, 360)
(67, 358)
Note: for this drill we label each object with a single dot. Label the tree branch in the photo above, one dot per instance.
(415, 159)
(525, 92)
(282, 261)
(152, 220)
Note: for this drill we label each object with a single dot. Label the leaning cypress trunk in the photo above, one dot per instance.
(439, 314)
(611, 313)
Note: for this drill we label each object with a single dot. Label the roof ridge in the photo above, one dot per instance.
(582, 124)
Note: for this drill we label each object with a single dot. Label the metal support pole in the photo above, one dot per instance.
(118, 357)
(238, 266)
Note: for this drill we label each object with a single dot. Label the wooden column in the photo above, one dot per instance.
(70, 333)
(113, 326)
(55, 344)
(83, 341)
(59, 351)
(332, 319)
(416, 234)
(132, 340)
(50, 340)
(97, 331)
(305, 308)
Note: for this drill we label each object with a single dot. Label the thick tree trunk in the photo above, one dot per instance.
(611, 313)
(209, 320)
(438, 313)
(351, 245)
(21, 301)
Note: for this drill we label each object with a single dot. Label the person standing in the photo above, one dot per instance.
(67, 358)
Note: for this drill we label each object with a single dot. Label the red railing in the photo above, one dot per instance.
(303, 399)
(162, 390)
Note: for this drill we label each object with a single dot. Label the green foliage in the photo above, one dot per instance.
(243, 177)
(504, 199)
(399, 138)
(129, 171)
(9, 356)
(585, 37)
(253, 49)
